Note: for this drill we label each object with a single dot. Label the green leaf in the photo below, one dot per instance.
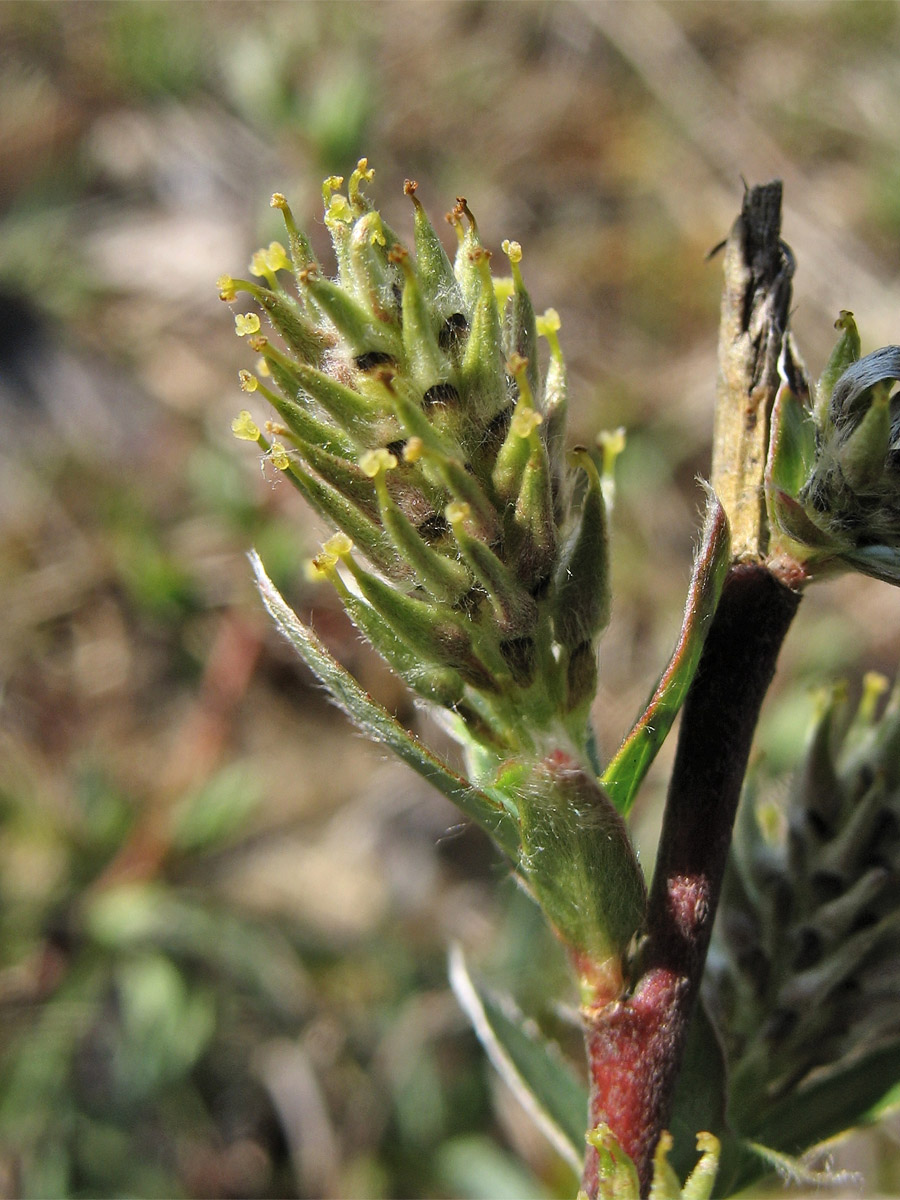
(378, 724)
(826, 1107)
(531, 1066)
(624, 775)
(700, 1104)
(792, 445)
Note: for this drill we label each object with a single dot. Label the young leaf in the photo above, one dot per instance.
(624, 775)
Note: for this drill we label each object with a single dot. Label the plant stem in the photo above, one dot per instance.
(635, 1045)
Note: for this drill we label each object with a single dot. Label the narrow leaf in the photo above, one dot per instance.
(531, 1067)
(823, 1108)
(624, 775)
(378, 724)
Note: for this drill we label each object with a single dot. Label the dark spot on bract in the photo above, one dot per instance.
(826, 885)
(780, 1024)
(374, 358)
(495, 433)
(818, 825)
(540, 588)
(519, 656)
(470, 602)
(441, 393)
(453, 331)
(433, 528)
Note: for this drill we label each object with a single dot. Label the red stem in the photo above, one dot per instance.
(635, 1045)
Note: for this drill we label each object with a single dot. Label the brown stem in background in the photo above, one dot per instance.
(635, 1045)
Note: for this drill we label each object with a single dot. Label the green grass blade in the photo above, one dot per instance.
(530, 1065)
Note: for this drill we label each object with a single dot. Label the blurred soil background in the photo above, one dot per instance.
(224, 917)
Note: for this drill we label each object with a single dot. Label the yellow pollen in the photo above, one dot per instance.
(279, 456)
(412, 451)
(245, 323)
(337, 545)
(548, 323)
(318, 568)
(338, 210)
(278, 200)
(227, 289)
(263, 367)
(258, 263)
(524, 421)
(456, 511)
(249, 383)
(244, 427)
(612, 441)
(512, 250)
(276, 257)
(373, 462)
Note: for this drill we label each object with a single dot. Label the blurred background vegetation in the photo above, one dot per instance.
(223, 917)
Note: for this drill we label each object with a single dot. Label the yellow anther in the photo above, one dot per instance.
(249, 383)
(279, 456)
(453, 220)
(548, 323)
(316, 569)
(512, 250)
(258, 265)
(278, 200)
(361, 176)
(373, 462)
(244, 427)
(457, 511)
(524, 421)
(503, 289)
(227, 289)
(338, 210)
(413, 449)
(262, 367)
(874, 685)
(276, 257)
(337, 546)
(245, 323)
(612, 443)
